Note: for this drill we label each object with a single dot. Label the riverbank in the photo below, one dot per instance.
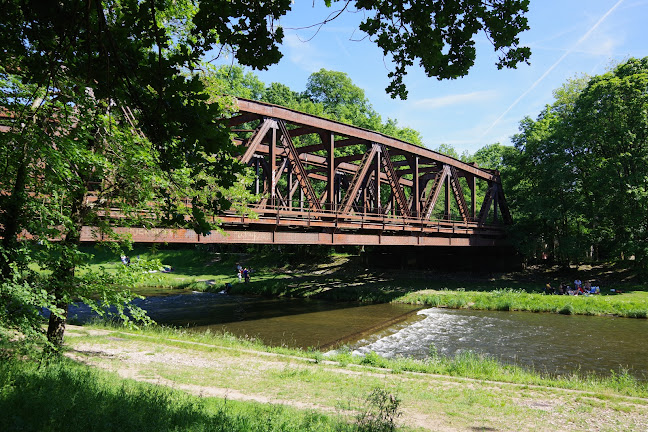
(343, 277)
(237, 382)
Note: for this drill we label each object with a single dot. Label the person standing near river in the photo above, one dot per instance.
(239, 271)
(246, 275)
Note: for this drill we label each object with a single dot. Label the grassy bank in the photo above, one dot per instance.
(342, 278)
(465, 365)
(295, 390)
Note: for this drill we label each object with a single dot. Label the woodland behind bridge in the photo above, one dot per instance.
(576, 176)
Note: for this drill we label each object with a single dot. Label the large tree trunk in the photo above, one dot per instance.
(56, 327)
(63, 276)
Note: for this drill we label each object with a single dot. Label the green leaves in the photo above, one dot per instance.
(439, 35)
(582, 168)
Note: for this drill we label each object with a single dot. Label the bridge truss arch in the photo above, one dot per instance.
(326, 182)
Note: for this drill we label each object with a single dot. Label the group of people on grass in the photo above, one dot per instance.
(579, 288)
(243, 273)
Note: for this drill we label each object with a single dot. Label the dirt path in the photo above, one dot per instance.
(429, 402)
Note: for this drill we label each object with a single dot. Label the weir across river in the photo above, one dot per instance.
(326, 182)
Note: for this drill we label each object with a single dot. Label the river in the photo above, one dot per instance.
(547, 342)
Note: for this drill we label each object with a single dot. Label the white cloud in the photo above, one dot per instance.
(601, 45)
(456, 99)
(303, 53)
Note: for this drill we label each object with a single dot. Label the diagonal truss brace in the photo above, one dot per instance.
(358, 178)
(397, 190)
(458, 193)
(432, 198)
(256, 139)
(298, 167)
(494, 196)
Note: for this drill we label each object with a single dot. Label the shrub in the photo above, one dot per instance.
(380, 412)
(566, 310)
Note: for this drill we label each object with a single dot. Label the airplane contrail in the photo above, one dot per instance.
(553, 66)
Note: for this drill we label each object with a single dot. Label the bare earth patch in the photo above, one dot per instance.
(429, 402)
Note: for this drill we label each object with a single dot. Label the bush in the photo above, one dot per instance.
(566, 310)
(380, 412)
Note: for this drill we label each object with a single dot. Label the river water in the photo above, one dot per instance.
(546, 342)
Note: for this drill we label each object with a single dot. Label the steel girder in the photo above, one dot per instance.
(381, 174)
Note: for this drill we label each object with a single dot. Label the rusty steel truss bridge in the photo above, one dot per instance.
(328, 183)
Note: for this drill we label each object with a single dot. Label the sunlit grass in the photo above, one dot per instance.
(633, 305)
(72, 397)
(466, 364)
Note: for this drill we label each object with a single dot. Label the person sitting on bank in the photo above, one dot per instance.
(549, 289)
(562, 289)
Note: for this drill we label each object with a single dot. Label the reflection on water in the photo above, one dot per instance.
(300, 323)
(547, 342)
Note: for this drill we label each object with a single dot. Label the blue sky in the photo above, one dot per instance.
(567, 38)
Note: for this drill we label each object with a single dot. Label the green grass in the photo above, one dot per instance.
(465, 365)
(631, 305)
(336, 277)
(63, 395)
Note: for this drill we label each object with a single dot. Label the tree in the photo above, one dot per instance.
(66, 66)
(580, 179)
(439, 35)
(544, 193)
(608, 132)
(68, 164)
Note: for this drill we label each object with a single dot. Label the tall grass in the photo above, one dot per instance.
(469, 364)
(519, 300)
(62, 395)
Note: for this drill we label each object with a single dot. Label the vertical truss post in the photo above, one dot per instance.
(377, 203)
(273, 165)
(446, 201)
(256, 176)
(329, 143)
